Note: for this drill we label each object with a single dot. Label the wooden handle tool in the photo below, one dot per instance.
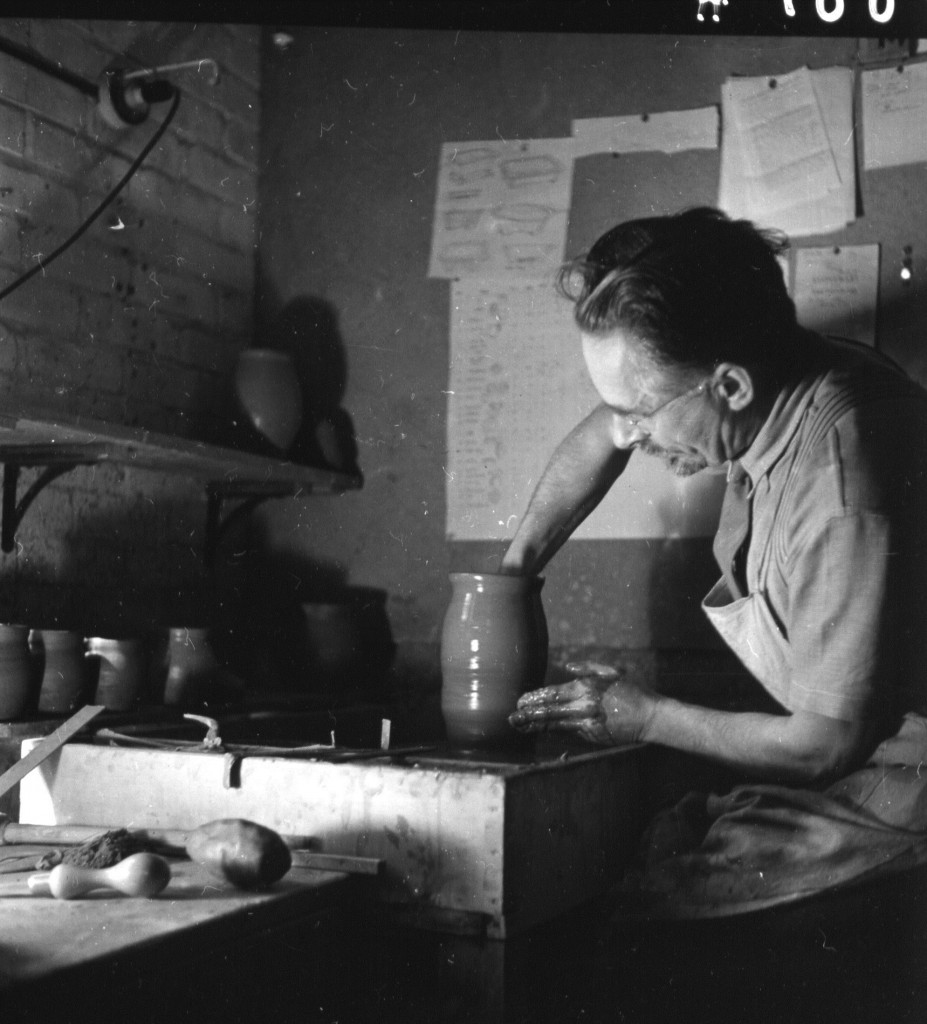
(142, 874)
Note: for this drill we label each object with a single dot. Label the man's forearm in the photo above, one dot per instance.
(795, 748)
(544, 529)
(578, 476)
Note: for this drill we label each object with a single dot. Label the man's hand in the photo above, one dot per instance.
(598, 705)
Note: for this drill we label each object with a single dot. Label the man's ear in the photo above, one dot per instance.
(735, 384)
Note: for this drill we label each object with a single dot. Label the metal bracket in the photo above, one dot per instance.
(249, 496)
(13, 511)
(56, 460)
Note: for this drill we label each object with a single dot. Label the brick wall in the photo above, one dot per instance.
(139, 323)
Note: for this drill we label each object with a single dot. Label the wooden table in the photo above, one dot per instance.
(200, 949)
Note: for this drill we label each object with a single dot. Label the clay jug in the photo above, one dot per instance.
(120, 678)
(64, 676)
(16, 675)
(192, 667)
(268, 391)
(493, 649)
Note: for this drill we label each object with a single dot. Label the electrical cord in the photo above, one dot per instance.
(41, 63)
(133, 167)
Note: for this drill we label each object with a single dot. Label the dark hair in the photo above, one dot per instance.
(695, 289)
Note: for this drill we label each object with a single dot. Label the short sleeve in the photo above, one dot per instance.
(841, 623)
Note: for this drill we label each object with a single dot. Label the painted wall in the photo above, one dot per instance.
(139, 322)
(352, 127)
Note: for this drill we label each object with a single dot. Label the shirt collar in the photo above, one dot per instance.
(777, 431)
(827, 355)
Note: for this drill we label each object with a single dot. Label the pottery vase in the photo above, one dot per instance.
(64, 675)
(268, 392)
(120, 678)
(493, 649)
(16, 672)
(192, 667)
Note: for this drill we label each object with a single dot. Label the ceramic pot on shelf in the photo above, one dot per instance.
(333, 645)
(192, 668)
(121, 675)
(268, 391)
(16, 671)
(64, 675)
(493, 649)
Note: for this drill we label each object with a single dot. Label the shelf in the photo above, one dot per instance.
(59, 444)
(36, 439)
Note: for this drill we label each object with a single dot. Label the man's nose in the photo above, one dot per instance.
(625, 434)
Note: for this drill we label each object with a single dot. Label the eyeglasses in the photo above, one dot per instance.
(633, 421)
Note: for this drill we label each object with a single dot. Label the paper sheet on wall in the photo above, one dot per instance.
(836, 290)
(787, 153)
(666, 132)
(501, 208)
(518, 385)
(894, 116)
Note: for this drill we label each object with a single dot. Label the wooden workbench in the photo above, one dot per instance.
(200, 949)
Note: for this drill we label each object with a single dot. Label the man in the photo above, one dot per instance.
(691, 341)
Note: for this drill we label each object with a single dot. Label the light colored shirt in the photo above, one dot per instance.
(838, 542)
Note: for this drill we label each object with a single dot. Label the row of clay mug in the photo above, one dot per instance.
(62, 656)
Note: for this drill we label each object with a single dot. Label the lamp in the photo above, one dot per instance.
(124, 97)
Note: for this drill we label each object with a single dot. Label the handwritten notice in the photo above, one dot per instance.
(785, 143)
(836, 290)
(665, 132)
(517, 386)
(801, 185)
(501, 209)
(894, 113)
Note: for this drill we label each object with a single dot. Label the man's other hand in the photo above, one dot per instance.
(599, 705)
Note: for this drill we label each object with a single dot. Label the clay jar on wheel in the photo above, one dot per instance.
(493, 649)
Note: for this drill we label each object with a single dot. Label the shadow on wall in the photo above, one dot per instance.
(680, 573)
(682, 567)
(121, 573)
(307, 329)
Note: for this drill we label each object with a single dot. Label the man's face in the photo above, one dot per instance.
(674, 420)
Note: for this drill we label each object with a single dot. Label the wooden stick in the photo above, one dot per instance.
(337, 862)
(47, 746)
(16, 833)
